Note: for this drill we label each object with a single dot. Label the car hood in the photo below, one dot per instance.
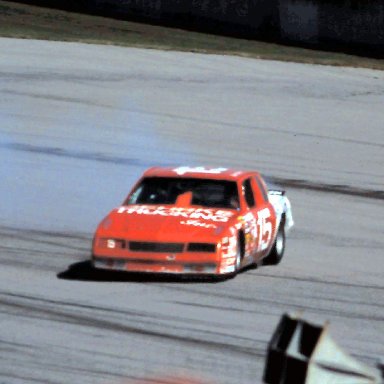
(167, 223)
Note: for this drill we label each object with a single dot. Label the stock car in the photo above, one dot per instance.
(194, 220)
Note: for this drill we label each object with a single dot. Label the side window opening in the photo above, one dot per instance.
(262, 188)
(248, 193)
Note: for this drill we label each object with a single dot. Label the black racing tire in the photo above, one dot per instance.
(277, 252)
(240, 251)
(238, 256)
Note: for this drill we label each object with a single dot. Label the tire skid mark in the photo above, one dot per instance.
(341, 300)
(263, 300)
(232, 309)
(44, 233)
(336, 241)
(53, 97)
(28, 251)
(26, 258)
(312, 280)
(285, 182)
(41, 249)
(94, 372)
(68, 369)
(46, 242)
(86, 77)
(25, 349)
(237, 125)
(26, 378)
(30, 350)
(16, 345)
(328, 188)
(99, 352)
(108, 310)
(76, 154)
(32, 311)
(223, 308)
(45, 237)
(24, 264)
(284, 304)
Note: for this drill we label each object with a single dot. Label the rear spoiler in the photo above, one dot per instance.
(276, 192)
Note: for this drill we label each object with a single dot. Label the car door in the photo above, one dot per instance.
(260, 218)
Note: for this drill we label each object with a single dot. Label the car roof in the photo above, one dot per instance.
(199, 172)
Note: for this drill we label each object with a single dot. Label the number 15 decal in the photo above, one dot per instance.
(265, 229)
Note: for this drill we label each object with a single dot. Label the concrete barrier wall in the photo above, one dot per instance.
(345, 24)
(253, 17)
(299, 21)
(363, 23)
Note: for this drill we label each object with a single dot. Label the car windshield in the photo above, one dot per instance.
(205, 192)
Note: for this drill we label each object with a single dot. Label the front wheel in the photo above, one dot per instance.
(240, 244)
(276, 254)
(238, 257)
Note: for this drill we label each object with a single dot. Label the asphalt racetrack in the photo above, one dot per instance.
(78, 125)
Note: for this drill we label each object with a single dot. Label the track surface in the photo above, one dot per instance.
(79, 123)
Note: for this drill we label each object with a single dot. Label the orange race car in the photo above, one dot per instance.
(194, 220)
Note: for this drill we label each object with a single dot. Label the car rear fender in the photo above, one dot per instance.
(282, 207)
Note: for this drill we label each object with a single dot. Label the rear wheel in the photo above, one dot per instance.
(277, 252)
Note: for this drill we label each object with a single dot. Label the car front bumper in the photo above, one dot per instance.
(154, 266)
